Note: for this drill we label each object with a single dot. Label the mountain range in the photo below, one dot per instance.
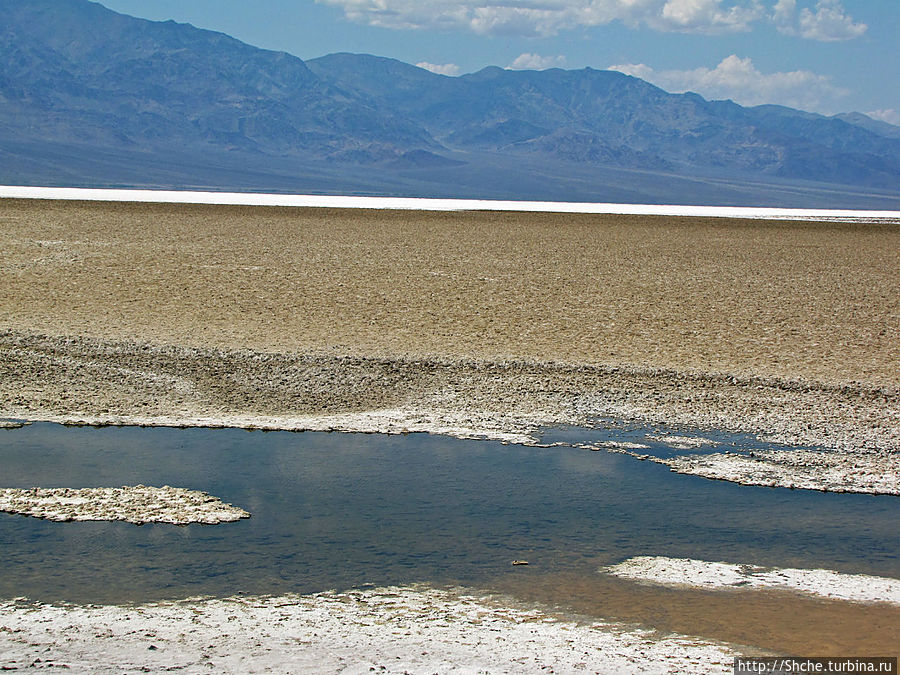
(95, 98)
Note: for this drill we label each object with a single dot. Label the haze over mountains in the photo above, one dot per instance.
(94, 98)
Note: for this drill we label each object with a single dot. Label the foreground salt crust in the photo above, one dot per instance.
(721, 575)
(397, 629)
(137, 504)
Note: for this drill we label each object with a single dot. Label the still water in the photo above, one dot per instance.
(332, 511)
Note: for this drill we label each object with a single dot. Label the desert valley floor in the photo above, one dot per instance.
(474, 324)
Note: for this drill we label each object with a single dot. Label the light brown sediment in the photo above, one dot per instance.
(775, 620)
(476, 324)
(793, 300)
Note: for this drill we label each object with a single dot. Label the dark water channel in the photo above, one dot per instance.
(334, 510)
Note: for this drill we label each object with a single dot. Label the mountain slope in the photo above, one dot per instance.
(875, 126)
(73, 67)
(611, 118)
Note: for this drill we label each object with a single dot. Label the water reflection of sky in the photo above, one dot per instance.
(335, 510)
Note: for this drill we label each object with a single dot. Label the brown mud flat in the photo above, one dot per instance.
(790, 300)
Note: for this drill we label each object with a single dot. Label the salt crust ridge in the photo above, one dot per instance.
(136, 504)
(721, 575)
(415, 629)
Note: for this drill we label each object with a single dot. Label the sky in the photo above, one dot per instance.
(825, 56)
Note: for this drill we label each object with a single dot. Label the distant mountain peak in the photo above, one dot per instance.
(864, 121)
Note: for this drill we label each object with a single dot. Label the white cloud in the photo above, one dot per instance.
(529, 61)
(549, 17)
(828, 23)
(888, 115)
(739, 80)
(450, 69)
(705, 16)
(784, 15)
(640, 70)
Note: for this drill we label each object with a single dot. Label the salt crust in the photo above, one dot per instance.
(421, 204)
(720, 575)
(795, 469)
(397, 630)
(137, 504)
(613, 446)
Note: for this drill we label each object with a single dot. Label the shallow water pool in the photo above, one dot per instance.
(333, 510)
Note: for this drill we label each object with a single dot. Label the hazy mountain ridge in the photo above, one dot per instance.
(173, 83)
(875, 126)
(85, 91)
(636, 123)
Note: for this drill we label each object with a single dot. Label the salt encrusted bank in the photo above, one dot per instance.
(415, 629)
(825, 470)
(798, 469)
(682, 442)
(721, 576)
(136, 504)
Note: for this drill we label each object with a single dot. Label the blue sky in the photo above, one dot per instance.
(826, 56)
